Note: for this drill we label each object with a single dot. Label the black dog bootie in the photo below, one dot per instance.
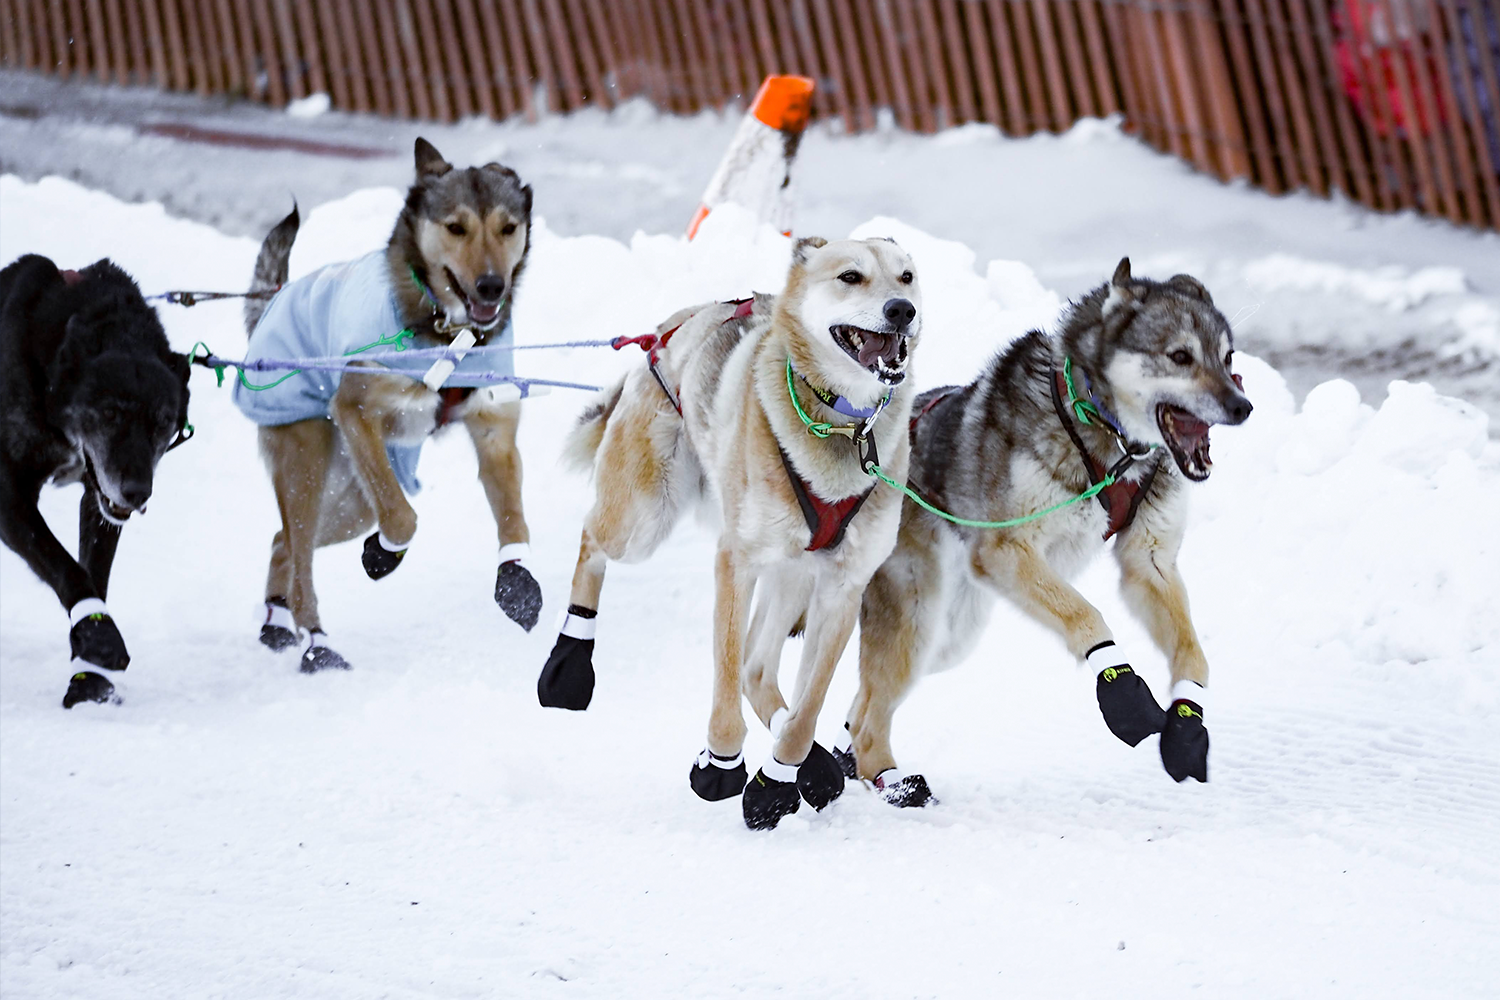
(567, 680)
(767, 799)
(317, 657)
(1125, 700)
(91, 687)
(94, 637)
(1184, 741)
(379, 561)
(715, 778)
(279, 632)
(820, 779)
(518, 594)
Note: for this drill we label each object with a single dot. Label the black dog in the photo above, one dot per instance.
(89, 390)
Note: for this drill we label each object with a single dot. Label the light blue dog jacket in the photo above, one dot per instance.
(333, 313)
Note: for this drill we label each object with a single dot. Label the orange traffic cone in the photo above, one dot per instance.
(756, 171)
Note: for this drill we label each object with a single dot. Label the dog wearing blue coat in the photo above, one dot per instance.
(342, 447)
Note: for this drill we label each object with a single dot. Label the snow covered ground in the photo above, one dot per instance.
(419, 827)
(1318, 288)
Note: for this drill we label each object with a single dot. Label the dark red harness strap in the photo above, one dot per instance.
(935, 400)
(825, 520)
(1119, 500)
(451, 399)
(652, 343)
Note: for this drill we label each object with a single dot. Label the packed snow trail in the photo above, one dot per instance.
(419, 827)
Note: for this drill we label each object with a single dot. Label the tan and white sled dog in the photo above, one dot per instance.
(1125, 394)
(711, 418)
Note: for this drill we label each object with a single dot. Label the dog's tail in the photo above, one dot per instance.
(583, 443)
(271, 267)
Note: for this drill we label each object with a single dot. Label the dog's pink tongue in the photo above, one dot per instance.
(484, 313)
(879, 345)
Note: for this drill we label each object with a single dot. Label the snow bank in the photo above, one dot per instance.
(419, 827)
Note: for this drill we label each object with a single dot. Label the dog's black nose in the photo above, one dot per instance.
(135, 492)
(490, 287)
(900, 312)
(1238, 410)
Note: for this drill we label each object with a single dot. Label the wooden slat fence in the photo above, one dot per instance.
(1395, 103)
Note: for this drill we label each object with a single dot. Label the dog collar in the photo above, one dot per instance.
(1090, 412)
(841, 403)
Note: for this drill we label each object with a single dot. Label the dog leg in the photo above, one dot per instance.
(812, 770)
(97, 541)
(1155, 593)
(720, 773)
(1019, 572)
(299, 455)
(782, 607)
(494, 434)
(892, 637)
(92, 634)
(367, 410)
(567, 679)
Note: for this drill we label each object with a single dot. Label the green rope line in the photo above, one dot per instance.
(816, 429)
(396, 339)
(1082, 408)
(385, 341)
(821, 430)
(1014, 522)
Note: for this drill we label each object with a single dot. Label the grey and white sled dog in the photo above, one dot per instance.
(1130, 387)
(712, 418)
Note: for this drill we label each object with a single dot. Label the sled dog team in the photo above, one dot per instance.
(792, 415)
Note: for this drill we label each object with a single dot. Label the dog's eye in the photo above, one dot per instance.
(456, 228)
(508, 229)
(851, 277)
(1181, 357)
(1228, 359)
(907, 277)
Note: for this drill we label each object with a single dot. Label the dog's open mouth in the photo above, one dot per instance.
(118, 513)
(481, 314)
(882, 354)
(1187, 437)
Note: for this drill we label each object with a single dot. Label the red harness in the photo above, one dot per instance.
(1120, 499)
(827, 521)
(653, 343)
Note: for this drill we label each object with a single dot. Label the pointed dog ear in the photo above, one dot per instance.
(1121, 292)
(1190, 286)
(801, 248)
(430, 162)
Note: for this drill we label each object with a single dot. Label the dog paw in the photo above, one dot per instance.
(820, 779)
(379, 561)
(96, 641)
(87, 686)
(318, 657)
(279, 632)
(518, 594)
(1125, 700)
(567, 681)
(715, 778)
(766, 801)
(1184, 742)
(908, 791)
